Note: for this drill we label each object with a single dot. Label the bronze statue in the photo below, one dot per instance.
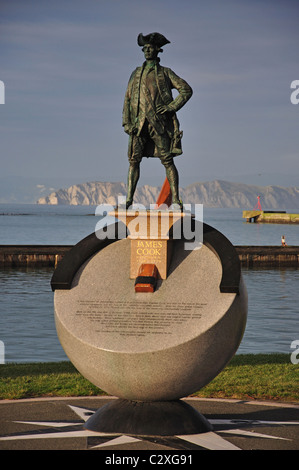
(149, 115)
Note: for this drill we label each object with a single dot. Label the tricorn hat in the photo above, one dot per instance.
(156, 39)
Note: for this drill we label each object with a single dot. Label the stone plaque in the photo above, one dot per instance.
(150, 251)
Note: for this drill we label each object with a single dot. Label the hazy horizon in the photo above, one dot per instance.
(29, 190)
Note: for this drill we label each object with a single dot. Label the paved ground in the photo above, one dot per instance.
(57, 424)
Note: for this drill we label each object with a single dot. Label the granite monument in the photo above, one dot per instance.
(140, 316)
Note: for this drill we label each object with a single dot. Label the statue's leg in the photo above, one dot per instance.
(173, 179)
(133, 177)
(135, 153)
(163, 144)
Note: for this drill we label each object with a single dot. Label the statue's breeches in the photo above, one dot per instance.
(149, 144)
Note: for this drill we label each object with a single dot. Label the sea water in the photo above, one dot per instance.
(33, 224)
(27, 328)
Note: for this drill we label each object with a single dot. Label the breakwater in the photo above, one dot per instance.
(50, 255)
(270, 217)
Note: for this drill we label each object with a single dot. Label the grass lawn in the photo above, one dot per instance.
(247, 376)
(256, 376)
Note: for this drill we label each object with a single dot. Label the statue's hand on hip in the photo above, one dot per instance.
(163, 108)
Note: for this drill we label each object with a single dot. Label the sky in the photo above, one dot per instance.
(65, 65)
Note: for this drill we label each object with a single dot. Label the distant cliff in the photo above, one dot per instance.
(210, 194)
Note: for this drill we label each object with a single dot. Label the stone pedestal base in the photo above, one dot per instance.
(167, 418)
(155, 346)
(150, 239)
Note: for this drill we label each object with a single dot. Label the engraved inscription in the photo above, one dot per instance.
(128, 318)
(150, 252)
(149, 248)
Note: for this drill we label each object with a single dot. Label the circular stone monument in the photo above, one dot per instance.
(150, 347)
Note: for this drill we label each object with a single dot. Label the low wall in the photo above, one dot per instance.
(32, 255)
(268, 256)
(50, 255)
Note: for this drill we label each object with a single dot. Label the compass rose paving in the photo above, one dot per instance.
(57, 424)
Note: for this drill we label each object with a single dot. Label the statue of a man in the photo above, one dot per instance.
(149, 115)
